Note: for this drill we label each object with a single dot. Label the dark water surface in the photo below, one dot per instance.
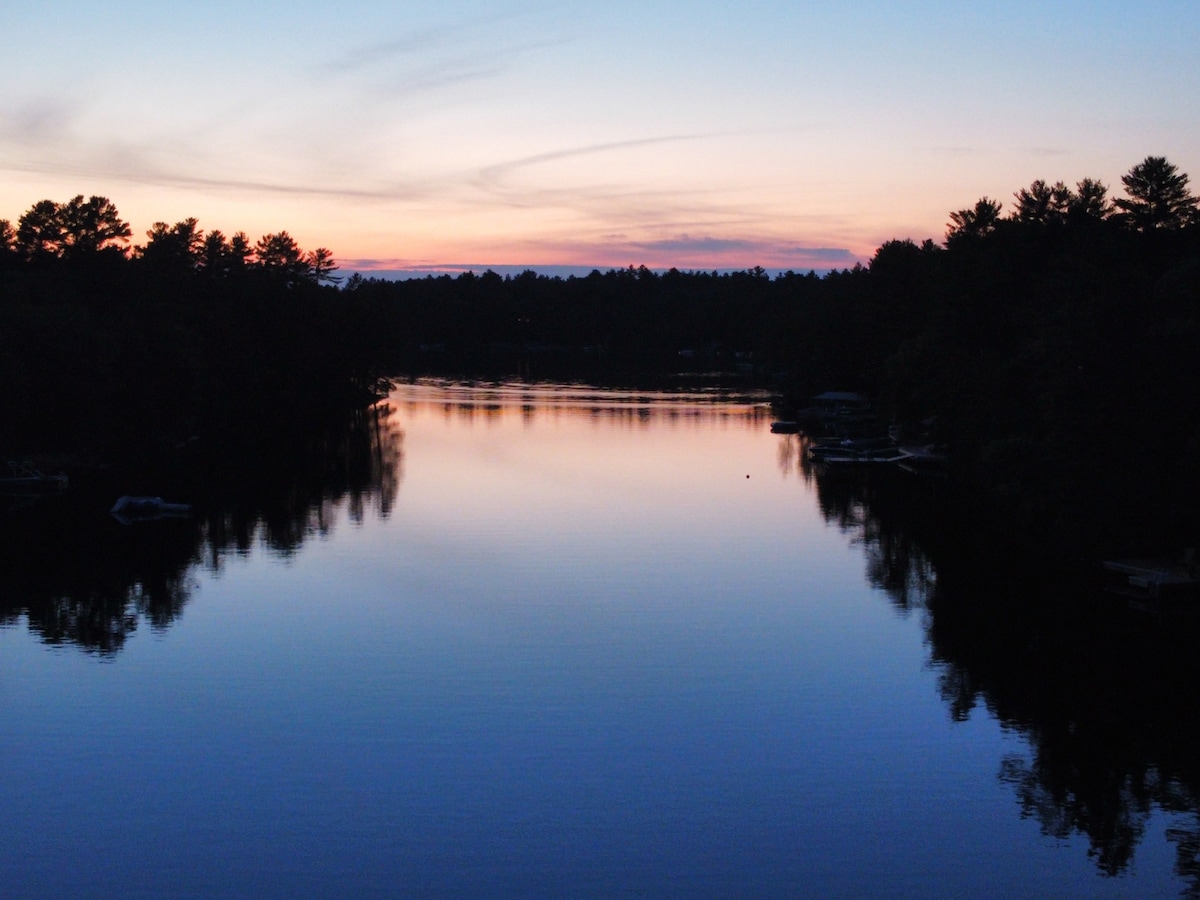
(536, 641)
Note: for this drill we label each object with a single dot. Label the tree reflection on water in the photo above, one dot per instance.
(79, 578)
(1107, 698)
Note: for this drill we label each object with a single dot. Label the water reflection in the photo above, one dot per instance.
(79, 578)
(1108, 701)
(491, 401)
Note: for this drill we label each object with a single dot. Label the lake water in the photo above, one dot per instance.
(529, 640)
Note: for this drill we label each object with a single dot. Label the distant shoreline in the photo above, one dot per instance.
(548, 271)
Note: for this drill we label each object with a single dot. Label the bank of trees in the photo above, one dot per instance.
(109, 348)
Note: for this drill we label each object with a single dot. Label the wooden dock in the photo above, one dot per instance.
(1154, 580)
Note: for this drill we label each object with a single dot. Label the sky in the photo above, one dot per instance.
(700, 135)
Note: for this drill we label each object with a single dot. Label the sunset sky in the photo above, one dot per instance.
(699, 135)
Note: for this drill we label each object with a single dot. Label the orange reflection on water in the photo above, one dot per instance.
(512, 463)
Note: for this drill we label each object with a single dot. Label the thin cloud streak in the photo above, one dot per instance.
(466, 68)
(426, 60)
(489, 175)
(141, 175)
(366, 56)
(421, 41)
(39, 138)
(626, 206)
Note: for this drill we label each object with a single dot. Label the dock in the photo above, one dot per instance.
(1154, 580)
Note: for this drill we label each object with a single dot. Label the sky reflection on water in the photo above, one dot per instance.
(582, 654)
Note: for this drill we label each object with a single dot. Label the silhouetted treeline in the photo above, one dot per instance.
(629, 320)
(104, 348)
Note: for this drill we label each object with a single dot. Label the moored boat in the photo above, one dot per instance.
(857, 450)
(24, 480)
(130, 509)
(836, 457)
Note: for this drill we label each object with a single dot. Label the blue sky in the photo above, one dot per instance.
(661, 133)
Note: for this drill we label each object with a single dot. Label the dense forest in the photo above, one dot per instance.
(107, 350)
(1053, 349)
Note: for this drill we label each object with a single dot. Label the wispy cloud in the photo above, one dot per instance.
(617, 194)
(420, 76)
(491, 176)
(45, 137)
(128, 168)
(473, 30)
(367, 56)
(38, 120)
(427, 59)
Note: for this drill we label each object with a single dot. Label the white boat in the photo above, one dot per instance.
(857, 450)
(834, 457)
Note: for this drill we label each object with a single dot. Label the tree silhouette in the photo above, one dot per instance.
(8, 240)
(321, 266)
(40, 232)
(1034, 202)
(1041, 202)
(77, 228)
(214, 253)
(176, 246)
(975, 222)
(1158, 196)
(240, 252)
(1090, 200)
(279, 254)
(92, 225)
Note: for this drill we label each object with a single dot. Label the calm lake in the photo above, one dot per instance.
(532, 640)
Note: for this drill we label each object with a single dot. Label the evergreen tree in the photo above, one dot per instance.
(279, 254)
(322, 266)
(40, 232)
(975, 222)
(92, 225)
(1159, 198)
